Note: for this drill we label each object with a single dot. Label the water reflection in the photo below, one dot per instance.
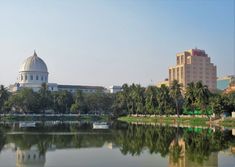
(30, 157)
(181, 147)
(179, 157)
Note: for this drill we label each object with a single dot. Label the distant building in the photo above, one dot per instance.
(33, 73)
(231, 88)
(191, 66)
(84, 89)
(115, 89)
(165, 82)
(224, 82)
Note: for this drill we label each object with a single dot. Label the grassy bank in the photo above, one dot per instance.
(55, 118)
(192, 121)
(166, 120)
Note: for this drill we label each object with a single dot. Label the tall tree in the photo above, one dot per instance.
(202, 96)
(164, 100)
(151, 102)
(190, 97)
(3, 96)
(175, 92)
(138, 97)
(45, 97)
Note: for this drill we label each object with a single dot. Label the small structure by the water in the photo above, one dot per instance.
(100, 125)
(27, 124)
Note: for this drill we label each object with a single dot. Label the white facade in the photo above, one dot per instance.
(115, 89)
(33, 72)
(233, 114)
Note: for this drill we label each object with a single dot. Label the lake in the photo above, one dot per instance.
(78, 144)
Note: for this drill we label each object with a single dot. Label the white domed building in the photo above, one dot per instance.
(33, 72)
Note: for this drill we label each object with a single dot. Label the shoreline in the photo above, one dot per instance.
(52, 117)
(181, 121)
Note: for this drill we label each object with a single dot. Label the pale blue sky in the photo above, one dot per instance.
(106, 42)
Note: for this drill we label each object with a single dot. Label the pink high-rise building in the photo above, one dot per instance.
(191, 66)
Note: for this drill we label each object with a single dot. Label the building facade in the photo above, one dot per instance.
(194, 65)
(33, 73)
(115, 89)
(165, 82)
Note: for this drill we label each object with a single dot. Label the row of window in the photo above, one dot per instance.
(32, 78)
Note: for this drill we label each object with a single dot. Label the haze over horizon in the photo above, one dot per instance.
(100, 42)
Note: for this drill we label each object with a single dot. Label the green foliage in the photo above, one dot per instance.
(175, 92)
(133, 99)
(151, 102)
(4, 95)
(24, 101)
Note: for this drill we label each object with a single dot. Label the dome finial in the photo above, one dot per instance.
(34, 53)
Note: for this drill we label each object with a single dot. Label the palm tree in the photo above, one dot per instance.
(45, 99)
(3, 96)
(202, 95)
(175, 92)
(190, 96)
(151, 99)
(139, 98)
(163, 99)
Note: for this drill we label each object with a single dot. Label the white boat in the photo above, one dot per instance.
(27, 124)
(100, 125)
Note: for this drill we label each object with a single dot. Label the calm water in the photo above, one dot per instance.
(56, 144)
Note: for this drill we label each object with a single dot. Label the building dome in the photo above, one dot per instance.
(33, 64)
(33, 73)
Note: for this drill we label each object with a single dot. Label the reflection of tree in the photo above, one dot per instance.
(131, 139)
(2, 140)
(200, 145)
(136, 138)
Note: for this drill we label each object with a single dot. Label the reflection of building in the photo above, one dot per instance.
(30, 158)
(191, 66)
(111, 145)
(33, 72)
(181, 161)
(184, 161)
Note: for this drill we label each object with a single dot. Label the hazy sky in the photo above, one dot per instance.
(106, 42)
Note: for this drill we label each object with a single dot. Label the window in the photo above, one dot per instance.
(36, 77)
(45, 78)
(31, 77)
(178, 60)
(26, 77)
(42, 78)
